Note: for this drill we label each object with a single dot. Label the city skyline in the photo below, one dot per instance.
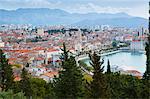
(137, 8)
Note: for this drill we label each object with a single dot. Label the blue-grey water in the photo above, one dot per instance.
(125, 60)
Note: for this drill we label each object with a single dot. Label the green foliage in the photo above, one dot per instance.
(16, 87)
(50, 94)
(108, 68)
(6, 95)
(69, 84)
(16, 65)
(10, 95)
(25, 84)
(19, 95)
(145, 89)
(6, 74)
(84, 65)
(65, 52)
(38, 87)
(126, 87)
(64, 56)
(32, 87)
(147, 49)
(98, 86)
(27, 65)
(146, 77)
(114, 43)
(88, 78)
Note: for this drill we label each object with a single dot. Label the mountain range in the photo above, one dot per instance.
(45, 16)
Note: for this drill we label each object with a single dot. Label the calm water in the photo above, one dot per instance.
(125, 60)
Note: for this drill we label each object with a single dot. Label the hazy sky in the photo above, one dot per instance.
(132, 7)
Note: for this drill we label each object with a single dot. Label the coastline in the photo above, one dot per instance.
(130, 66)
(86, 56)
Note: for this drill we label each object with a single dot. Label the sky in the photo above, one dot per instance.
(137, 8)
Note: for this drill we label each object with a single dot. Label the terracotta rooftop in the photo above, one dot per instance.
(51, 74)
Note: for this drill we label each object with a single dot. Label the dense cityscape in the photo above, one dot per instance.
(40, 47)
(71, 61)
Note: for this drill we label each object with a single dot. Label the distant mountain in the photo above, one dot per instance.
(124, 22)
(45, 16)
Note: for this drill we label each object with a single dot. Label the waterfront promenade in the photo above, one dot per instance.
(86, 56)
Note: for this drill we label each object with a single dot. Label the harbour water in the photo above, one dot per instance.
(125, 60)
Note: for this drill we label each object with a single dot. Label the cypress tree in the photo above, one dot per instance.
(145, 94)
(147, 49)
(108, 67)
(69, 84)
(147, 72)
(6, 73)
(27, 65)
(98, 87)
(146, 77)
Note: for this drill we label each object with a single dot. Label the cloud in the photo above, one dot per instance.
(90, 7)
(141, 11)
(14, 4)
(71, 7)
(132, 7)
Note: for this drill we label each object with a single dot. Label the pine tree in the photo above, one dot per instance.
(65, 52)
(98, 87)
(25, 84)
(50, 94)
(6, 73)
(64, 56)
(69, 84)
(108, 67)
